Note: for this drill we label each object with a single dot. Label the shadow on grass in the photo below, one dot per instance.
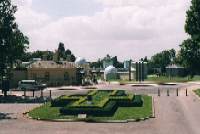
(20, 99)
(4, 116)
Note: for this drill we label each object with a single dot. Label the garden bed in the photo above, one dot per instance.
(105, 106)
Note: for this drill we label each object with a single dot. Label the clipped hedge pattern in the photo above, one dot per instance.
(109, 108)
(106, 103)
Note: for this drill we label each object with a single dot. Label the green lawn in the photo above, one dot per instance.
(163, 79)
(123, 113)
(197, 92)
(47, 112)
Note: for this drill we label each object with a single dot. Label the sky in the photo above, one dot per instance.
(129, 29)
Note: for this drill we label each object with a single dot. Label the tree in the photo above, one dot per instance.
(73, 58)
(192, 25)
(189, 54)
(68, 52)
(162, 59)
(61, 50)
(13, 43)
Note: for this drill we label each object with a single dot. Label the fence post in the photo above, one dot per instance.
(41, 93)
(177, 91)
(167, 92)
(158, 92)
(33, 93)
(24, 92)
(50, 94)
(186, 92)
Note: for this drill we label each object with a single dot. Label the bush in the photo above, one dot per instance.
(118, 93)
(108, 109)
(64, 100)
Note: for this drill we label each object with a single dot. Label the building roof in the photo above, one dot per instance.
(110, 70)
(52, 64)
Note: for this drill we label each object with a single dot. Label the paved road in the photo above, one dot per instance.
(174, 115)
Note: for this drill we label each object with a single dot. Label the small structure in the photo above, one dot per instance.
(50, 72)
(110, 73)
(175, 70)
(107, 61)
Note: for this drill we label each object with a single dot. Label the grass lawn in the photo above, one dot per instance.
(123, 113)
(163, 79)
(47, 112)
(197, 92)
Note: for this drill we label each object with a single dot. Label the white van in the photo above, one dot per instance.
(30, 85)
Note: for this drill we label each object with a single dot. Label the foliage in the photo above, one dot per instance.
(13, 43)
(190, 55)
(99, 63)
(162, 59)
(103, 103)
(190, 48)
(197, 92)
(192, 25)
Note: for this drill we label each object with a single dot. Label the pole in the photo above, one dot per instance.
(167, 92)
(33, 93)
(50, 94)
(177, 92)
(158, 92)
(186, 92)
(41, 93)
(129, 70)
(24, 92)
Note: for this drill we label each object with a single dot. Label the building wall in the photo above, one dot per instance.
(54, 76)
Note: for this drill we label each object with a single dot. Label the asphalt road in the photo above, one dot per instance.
(174, 115)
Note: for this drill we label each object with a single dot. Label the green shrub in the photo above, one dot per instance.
(108, 109)
(64, 100)
(92, 92)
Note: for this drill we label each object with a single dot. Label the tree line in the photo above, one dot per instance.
(60, 54)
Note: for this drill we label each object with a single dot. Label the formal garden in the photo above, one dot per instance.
(96, 106)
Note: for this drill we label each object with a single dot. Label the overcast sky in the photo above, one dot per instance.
(94, 28)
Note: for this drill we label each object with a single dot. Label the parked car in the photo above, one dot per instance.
(30, 85)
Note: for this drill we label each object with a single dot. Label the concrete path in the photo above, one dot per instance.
(174, 115)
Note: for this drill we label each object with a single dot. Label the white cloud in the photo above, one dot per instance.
(127, 28)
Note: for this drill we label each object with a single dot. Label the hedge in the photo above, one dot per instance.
(64, 100)
(109, 108)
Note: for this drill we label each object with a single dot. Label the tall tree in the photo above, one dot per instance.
(13, 43)
(61, 50)
(190, 55)
(190, 48)
(192, 25)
